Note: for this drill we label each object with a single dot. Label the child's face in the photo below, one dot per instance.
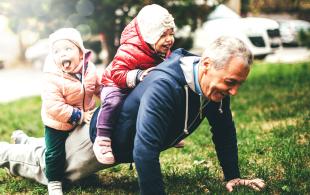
(165, 42)
(67, 55)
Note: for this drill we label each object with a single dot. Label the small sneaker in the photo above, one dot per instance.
(19, 137)
(54, 188)
(103, 151)
(181, 144)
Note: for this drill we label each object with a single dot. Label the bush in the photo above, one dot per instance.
(304, 38)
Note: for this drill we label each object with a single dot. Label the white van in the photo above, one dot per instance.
(261, 35)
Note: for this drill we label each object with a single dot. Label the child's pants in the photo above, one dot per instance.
(28, 160)
(55, 155)
(111, 100)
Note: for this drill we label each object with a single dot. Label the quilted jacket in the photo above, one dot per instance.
(62, 92)
(133, 53)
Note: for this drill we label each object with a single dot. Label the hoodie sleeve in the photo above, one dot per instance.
(154, 117)
(224, 138)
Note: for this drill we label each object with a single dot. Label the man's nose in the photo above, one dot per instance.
(233, 90)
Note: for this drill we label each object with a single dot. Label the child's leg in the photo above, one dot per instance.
(111, 98)
(55, 155)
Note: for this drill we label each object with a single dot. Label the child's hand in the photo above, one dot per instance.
(144, 73)
(88, 115)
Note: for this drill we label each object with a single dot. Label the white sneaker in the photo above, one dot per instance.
(19, 137)
(54, 188)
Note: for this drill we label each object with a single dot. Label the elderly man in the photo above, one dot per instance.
(165, 108)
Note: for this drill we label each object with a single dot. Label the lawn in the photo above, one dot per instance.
(271, 112)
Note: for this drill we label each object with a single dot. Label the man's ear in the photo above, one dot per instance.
(206, 64)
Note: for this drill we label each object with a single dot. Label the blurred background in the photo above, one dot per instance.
(275, 31)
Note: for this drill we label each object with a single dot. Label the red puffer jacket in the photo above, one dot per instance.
(133, 53)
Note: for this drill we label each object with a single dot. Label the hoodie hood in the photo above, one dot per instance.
(188, 70)
(174, 71)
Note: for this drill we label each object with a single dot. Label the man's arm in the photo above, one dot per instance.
(224, 138)
(155, 111)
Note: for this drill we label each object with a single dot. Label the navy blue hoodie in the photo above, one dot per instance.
(152, 120)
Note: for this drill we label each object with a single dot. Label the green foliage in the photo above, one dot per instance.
(23, 114)
(186, 43)
(271, 114)
(274, 6)
(93, 17)
(304, 38)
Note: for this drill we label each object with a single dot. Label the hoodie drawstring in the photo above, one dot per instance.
(200, 110)
(220, 108)
(186, 109)
(201, 106)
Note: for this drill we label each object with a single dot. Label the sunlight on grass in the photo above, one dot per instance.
(271, 114)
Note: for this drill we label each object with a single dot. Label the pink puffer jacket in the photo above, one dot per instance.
(62, 92)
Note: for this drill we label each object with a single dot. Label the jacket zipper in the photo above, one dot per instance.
(183, 133)
(84, 93)
(189, 127)
(84, 98)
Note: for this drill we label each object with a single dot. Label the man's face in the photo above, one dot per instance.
(218, 83)
(165, 42)
(67, 55)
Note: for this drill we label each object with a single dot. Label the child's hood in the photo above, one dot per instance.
(153, 20)
(69, 34)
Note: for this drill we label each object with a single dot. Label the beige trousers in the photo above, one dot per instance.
(28, 160)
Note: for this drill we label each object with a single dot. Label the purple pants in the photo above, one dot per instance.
(111, 100)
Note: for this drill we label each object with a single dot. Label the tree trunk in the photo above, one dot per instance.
(110, 39)
(22, 48)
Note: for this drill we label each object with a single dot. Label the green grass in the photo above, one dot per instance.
(271, 112)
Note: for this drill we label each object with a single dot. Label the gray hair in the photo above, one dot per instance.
(222, 49)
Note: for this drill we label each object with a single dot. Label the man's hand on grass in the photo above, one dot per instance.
(256, 184)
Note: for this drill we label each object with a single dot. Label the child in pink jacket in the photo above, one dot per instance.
(67, 98)
(145, 42)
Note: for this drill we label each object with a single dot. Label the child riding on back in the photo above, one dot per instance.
(145, 42)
